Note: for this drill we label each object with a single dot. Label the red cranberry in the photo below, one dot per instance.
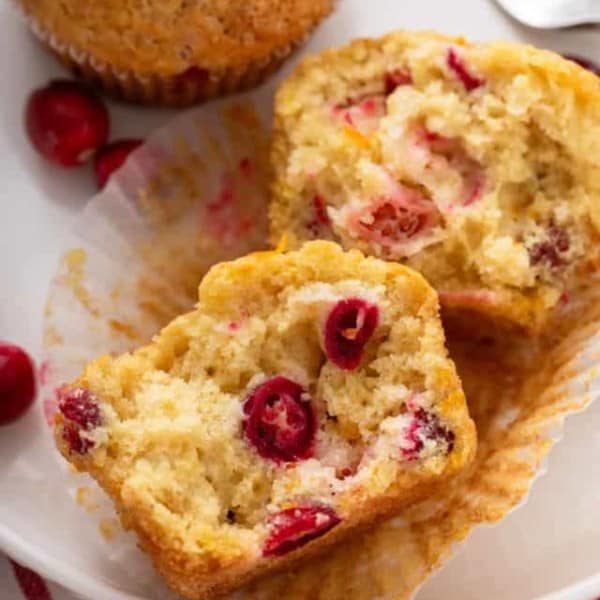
(280, 421)
(295, 527)
(348, 328)
(321, 211)
(17, 383)
(426, 426)
(396, 78)
(111, 157)
(31, 584)
(551, 250)
(392, 221)
(80, 409)
(66, 122)
(459, 68)
(320, 223)
(395, 222)
(584, 62)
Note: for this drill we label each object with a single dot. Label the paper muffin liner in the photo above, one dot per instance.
(196, 194)
(192, 86)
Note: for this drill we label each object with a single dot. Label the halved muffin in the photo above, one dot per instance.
(308, 395)
(476, 164)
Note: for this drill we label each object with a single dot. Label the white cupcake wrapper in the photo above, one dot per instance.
(136, 257)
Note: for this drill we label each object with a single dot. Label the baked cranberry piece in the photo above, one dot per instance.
(111, 157)
(320, 223)
(458, 67)
(584, 62)
(294, 527)
(393, 221)
(280, 421)
(348, 328)
(17, 383)
(396, 222)
(395, 78)
(471, 172)
(550, 251)
(426, 426)
(80, 409)
(66, 122)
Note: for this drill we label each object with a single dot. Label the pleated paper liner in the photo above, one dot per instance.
(190, 87)
(195, 195)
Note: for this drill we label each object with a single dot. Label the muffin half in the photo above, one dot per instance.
(478, 165)
(309, 394)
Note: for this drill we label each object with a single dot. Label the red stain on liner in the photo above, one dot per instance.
(395, 78)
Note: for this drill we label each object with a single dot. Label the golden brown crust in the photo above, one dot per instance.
(144, 54)
(165, 38)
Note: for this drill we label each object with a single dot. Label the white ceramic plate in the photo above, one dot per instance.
(550, 546)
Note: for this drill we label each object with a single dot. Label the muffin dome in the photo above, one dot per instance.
(212, 46)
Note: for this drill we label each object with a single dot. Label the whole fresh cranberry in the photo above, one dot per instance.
(295, 527)
(111, 157)
(81, 411)
(348, 328)
(66, 122)
(280, 421)
(17, 383)
(426, 426)
(458, 66)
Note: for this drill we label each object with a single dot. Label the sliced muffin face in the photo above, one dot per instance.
(310, 393)
(478, 165)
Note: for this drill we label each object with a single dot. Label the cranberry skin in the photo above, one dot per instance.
(66, 122)
(584, 62)
(17, 383)
(295, 527)
(348, 328)
(397, 223)
(550, 252)
(111, 157)
(426, 425)
(320, 223)
(457, 65)
(279, 422)
(80, 409)
(395, 78)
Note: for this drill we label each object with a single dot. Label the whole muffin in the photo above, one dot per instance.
(476, 164)
(309, 394)
(173, 52)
